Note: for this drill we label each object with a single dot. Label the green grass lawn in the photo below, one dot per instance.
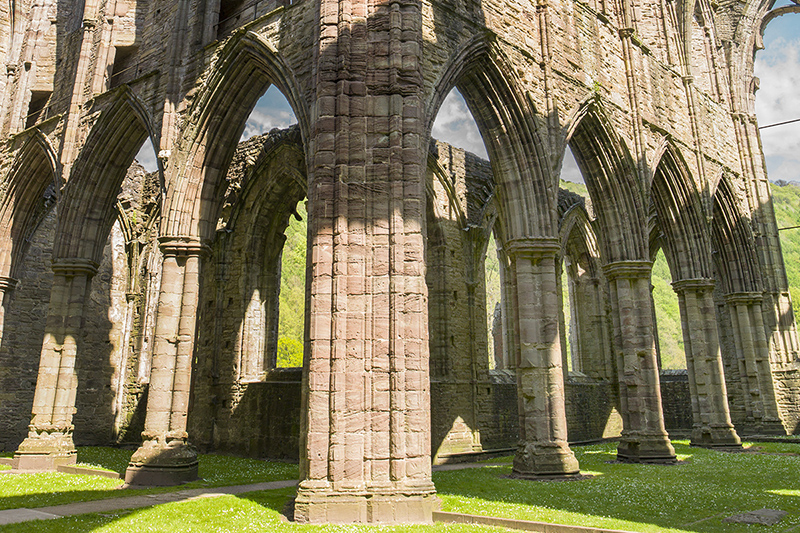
(692, 496)
(50, 488)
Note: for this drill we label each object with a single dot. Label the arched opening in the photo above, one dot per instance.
(612, 181)
(245, 199)
(671, 352)
(293, 292)
(517, 208)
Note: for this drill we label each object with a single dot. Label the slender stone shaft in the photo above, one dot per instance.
(165, 457)
(543, 449)
(712, 420)
(7, 286)
(49, 442)
(761, 405)
(644, 438)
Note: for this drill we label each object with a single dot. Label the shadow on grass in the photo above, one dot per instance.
(49, 489)
(693, 496)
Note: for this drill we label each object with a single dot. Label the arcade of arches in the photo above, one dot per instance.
(143, 307)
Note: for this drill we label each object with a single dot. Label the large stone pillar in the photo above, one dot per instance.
(7, 286)
(49, 443)
(365, 441)
(753, 353)
(165, 456)
(712, 426)
(543, 450)
(644, 438)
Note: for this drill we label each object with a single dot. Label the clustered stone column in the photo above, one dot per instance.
(761, 406)
(644, 438)
(7, 286)
(543, 450)
(49, 443)
(712, 421)
(165, 456)
(365, 445)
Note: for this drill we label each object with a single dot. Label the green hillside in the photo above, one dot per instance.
(786, 200)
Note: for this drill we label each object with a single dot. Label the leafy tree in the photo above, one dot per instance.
(291, 320)
(290, 353)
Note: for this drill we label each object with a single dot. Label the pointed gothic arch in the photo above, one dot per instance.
(90, 195)
(685, 233)
(611, 179)
(246, 67)
(525, 185)
(34, 170)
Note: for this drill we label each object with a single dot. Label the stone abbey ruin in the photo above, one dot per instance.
(141, 308)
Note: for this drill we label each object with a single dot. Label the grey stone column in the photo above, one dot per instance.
(761, 406)
(543, 450)
(7, 286)
(165, 456)
(49, 442)
(644, 438)
(712, 420)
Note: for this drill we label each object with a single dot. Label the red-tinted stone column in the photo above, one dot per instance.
(712, 426)
(365, 444)
(165, 456)
(644, 438)
(49, 442)
(543, 449)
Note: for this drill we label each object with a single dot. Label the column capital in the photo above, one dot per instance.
(744, 298)
(696, 284)
(183, 246)
(532, 247)
(74, 266)
(7, 284)
(628, 269)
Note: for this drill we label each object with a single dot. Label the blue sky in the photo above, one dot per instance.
(778, 67)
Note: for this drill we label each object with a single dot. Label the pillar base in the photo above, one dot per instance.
(545, 460)
(637, 448)
(387, 506)
(44, 451)
(158, 464)
(723, 438)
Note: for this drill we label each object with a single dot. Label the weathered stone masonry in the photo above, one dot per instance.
(149, 303)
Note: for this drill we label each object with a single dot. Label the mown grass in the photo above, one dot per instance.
(50, 488)
(693, 496)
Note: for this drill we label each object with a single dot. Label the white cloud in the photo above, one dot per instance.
(147, 157)
(271, 111)
(261, 121)
(778, 68)
(454, 125)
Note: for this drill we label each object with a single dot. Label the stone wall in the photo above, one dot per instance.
(676, 400)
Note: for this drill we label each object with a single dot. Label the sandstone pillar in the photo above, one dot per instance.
(644, 438)
(49, 442)
(543, 450)
(753, 354)
(712, 426)
(7, 286)
(165, 456)
(365, 441)
(590, 331)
